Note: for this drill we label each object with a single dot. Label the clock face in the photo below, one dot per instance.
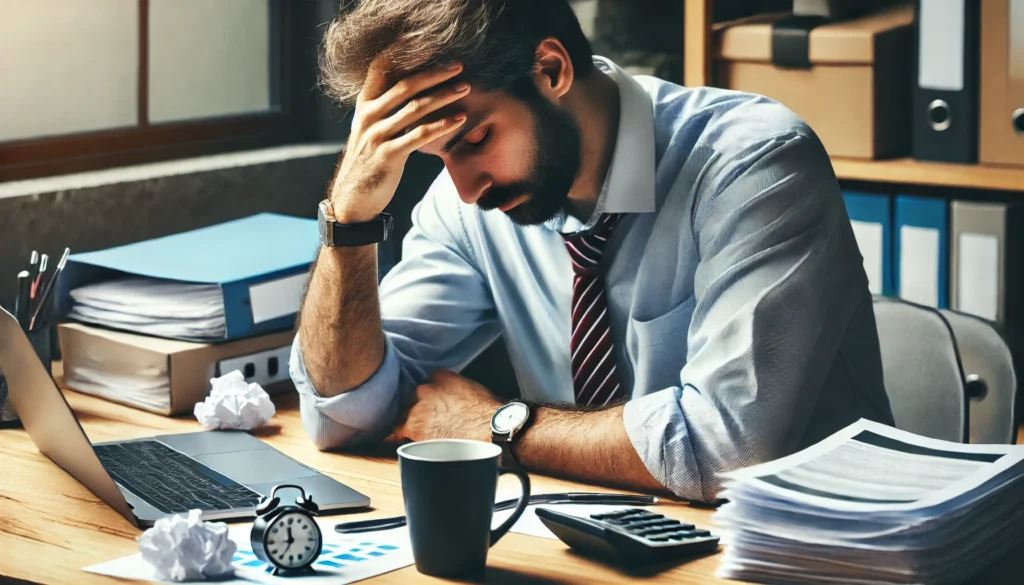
(292, 540)
(510, 417)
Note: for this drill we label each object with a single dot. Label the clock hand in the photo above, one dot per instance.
(291, 539)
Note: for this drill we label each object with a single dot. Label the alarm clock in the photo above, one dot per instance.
(286, 537)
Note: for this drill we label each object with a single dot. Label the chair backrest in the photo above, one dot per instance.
(922, 370)
(991, 380)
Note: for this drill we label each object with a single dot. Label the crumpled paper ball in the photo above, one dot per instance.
(188, 549)
(234, 404)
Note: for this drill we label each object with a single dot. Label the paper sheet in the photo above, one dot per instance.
(345, 559)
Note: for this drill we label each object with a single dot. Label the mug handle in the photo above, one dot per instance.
(524, 501)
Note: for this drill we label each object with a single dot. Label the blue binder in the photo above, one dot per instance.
(260, 262)
(921, 250)
(871, 217)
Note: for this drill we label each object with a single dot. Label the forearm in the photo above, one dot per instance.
(590, 446)
(340, 326)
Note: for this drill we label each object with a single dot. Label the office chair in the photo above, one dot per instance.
(991, 380)
(922, 370)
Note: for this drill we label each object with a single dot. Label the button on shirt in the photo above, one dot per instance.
(740, 312)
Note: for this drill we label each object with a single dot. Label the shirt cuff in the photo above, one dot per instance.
(657, 429)
(364, 412)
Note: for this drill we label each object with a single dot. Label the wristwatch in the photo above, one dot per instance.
(333, 234)
(507, 423)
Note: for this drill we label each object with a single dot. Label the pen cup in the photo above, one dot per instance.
(41, 341)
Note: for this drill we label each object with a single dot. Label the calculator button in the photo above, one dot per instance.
(677, 536)
(658, 538)
(650, 523)
(695, 533)
(652, 530)
(610, 515)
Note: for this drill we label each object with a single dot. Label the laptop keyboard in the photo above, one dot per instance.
(170, 481)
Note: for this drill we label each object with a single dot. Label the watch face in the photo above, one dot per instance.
(510, 418)
(292, 541)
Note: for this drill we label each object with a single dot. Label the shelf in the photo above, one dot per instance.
(909, 171)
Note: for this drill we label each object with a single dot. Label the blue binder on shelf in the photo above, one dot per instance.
(871, 218)
(260, 262)
(921, 253)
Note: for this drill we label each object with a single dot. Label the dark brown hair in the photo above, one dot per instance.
(495, 39)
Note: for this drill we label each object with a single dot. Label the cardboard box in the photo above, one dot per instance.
(856, 92)
(166, 376)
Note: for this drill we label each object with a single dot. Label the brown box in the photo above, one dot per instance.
(165, 376)
(856, 93)
(1001, 138)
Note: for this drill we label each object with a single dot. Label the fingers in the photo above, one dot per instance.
(376, 79)
(412, 85)
(419, 108)
(424, 134)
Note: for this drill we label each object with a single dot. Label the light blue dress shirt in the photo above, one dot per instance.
(739, 305)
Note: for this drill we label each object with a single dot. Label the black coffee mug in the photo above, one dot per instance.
(449, 488)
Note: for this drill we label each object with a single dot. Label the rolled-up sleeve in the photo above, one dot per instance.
(775, 289)
(437, 313)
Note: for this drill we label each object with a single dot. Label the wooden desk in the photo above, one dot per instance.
(51, 526)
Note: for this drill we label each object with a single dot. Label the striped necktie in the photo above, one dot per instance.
(591, 347)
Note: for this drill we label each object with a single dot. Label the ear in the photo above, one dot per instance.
(554, 71)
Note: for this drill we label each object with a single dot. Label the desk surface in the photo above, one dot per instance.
(51, 526)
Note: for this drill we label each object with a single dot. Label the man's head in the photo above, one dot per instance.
(520, 148)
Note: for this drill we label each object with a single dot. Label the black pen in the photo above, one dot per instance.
(570, 498)
(24, 299)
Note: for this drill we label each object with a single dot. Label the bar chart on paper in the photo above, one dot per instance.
(333, 556)
(342, 560)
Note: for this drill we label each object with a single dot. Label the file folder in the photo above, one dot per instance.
(871, 218)
(261, 264)
(945, 102)
(921, 250)
(985, 273)
(1002, 82)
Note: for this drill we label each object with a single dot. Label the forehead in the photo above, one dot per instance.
(494, 106)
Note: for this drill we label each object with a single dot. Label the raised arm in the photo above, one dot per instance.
(340, 325)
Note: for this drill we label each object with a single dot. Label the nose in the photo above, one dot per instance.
(470, 184)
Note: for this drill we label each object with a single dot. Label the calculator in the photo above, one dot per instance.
(630, 537)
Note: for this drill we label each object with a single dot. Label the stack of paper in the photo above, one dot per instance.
(154, 307)
(872, 504)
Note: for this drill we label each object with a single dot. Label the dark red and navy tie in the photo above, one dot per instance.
(591, 348)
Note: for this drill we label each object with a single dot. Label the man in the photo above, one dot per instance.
(672, 269)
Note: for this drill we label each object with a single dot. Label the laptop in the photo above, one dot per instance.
(222, 473)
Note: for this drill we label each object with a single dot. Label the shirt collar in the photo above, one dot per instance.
(629, 186)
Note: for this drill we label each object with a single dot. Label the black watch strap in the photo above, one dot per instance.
(362, 234)
(508, 458)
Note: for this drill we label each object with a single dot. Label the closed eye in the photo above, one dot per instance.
(478, 137)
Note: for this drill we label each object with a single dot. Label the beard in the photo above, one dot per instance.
(556, 162)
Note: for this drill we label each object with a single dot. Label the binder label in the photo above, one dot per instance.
(919, 265)
(1016, 44)
(941, 44)
(869, 240)
(978, 281)
(276, 298)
